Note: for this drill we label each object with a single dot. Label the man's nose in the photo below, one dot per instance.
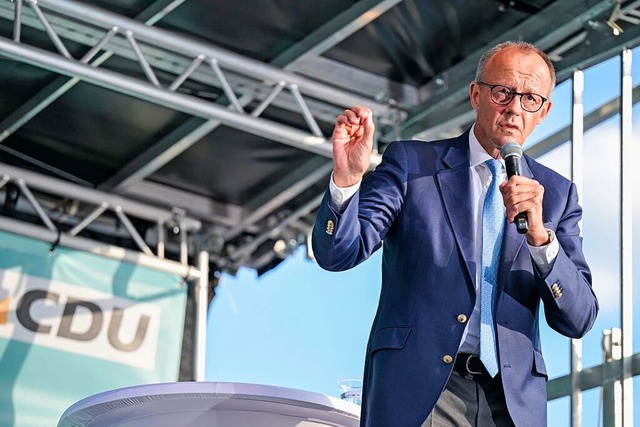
(515, 105)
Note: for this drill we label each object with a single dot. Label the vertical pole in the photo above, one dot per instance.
(611, 389)
(184, 245)
(626, 237)
(202, 305)
(17, 21)
(577, 168)
(161, 238)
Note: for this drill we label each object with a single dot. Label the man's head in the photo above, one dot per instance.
(511, 93)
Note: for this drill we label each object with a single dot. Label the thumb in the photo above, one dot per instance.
(369, 127)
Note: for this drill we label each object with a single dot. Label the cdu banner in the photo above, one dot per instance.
(73, 324)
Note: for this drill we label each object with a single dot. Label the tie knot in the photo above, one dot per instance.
(494, 166)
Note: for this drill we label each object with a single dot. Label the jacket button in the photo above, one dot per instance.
(447, 359)
(330, 227)
(462, 318)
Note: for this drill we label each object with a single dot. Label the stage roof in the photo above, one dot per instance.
(220, 111)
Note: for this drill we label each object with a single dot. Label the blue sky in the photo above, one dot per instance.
(301, 327)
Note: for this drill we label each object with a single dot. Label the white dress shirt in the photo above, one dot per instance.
(543, 256)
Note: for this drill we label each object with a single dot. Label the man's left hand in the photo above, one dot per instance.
(522, 194)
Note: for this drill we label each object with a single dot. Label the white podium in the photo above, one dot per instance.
(210, 404)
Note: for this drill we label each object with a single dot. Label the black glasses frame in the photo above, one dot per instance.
(513, 95)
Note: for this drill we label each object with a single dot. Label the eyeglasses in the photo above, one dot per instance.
(502, 95)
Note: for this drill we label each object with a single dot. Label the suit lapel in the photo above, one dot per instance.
(455, 186)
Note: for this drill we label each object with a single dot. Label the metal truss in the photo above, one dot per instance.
(159, 53)
(605, 375)
(96, 204)
(434, 115)
(250, 87)
(152, 49)
(245, 82)
(61, 85)
(591, 120)
(444, 111)
(186, 59)
(100, 204)
(615, 374)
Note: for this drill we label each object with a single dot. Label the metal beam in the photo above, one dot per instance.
(592, 377)
(159, 154)
(222, 214)
(237, 256)
(599, 49)
(61, 84)
(187, 104)
(186, 46)
(577, 174)
(334, 31)
(357, 80)
(316, 43)
(591, 120)
(446, 121)
(171, 64)
(98, 248)
(627, 166)
(201, 294)
(162, 152)
(566, 17)
(65, 189)
(277, 195)
(157, 11)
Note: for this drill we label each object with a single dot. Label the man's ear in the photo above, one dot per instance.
(474, 95)
(544, 111)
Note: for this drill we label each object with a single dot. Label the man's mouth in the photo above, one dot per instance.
(509, 127)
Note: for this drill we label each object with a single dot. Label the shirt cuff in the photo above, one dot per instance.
(341, 196)
(544, 256)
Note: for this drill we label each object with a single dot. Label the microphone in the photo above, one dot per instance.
(511, 152)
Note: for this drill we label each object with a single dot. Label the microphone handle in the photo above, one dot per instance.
(521, 221)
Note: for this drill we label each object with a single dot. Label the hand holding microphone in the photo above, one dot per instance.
(511, 153)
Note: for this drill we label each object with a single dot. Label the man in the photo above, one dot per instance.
(455, 339)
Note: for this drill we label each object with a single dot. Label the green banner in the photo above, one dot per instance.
(73, 324)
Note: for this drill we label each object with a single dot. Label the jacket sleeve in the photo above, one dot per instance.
(341, 241)
(570, 304)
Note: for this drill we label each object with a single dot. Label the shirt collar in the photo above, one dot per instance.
(477, 154)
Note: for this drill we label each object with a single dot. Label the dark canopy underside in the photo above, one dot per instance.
(194, 148)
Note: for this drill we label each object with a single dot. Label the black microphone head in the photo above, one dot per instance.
(511, 149)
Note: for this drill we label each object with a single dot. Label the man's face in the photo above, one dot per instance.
(498, 124)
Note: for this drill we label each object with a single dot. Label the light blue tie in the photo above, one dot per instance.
(492, 229)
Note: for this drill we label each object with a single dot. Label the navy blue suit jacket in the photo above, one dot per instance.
(418, 201)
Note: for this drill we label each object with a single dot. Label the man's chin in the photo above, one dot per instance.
(506, 137)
